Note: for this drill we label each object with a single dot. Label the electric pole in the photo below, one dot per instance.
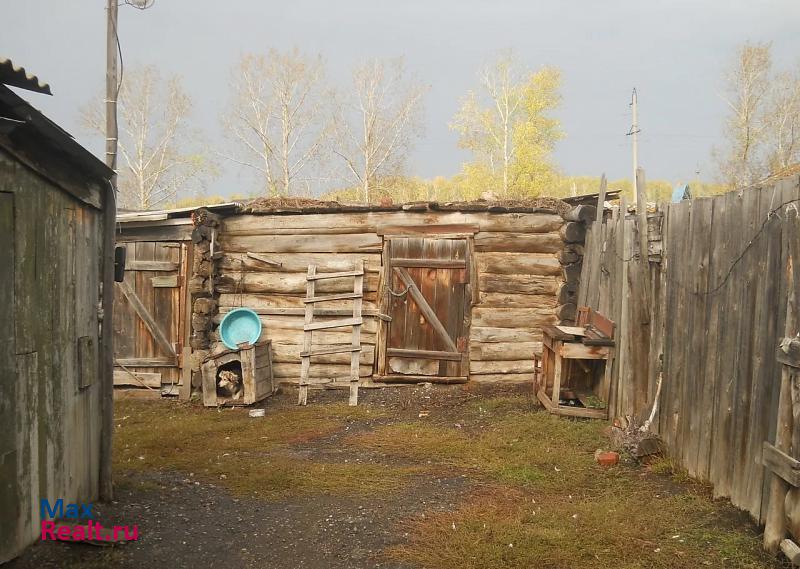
(635, 135)
(112, 88)
(106, 487)
(640, 193)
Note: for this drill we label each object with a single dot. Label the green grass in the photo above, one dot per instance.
(544, 502)
(248, 456)
(536, 496)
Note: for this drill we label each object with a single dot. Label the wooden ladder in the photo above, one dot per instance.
(309, 326)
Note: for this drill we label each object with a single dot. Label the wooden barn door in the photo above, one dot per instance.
(429, 307)
(149, 320)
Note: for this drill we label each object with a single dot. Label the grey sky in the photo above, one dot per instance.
(673, 52)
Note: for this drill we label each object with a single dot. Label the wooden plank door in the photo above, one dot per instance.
(429, 308)
(149, 314)
(10, 489)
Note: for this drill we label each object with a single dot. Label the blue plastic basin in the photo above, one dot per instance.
(238, 326)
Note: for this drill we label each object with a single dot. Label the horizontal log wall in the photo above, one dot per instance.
(519, 269)
(714, 317)
(519, 274)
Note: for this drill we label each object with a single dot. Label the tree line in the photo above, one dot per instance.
(297, 134)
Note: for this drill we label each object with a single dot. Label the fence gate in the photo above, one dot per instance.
(426, 298)
(149, 315)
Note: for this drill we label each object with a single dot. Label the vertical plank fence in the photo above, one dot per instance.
(718, 272)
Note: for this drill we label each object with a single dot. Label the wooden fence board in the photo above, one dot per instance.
(707, 333)
(718, 298)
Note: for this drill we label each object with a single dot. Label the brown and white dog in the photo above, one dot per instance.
(231, 383)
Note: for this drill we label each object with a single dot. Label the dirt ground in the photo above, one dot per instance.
(378, 487)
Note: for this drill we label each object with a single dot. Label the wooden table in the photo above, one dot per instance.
(558, 346)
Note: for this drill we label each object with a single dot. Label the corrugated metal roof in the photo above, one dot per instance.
(17, 77)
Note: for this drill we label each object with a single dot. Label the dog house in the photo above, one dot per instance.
(251, 363)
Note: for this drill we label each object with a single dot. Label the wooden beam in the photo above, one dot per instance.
(781, 464)
(579, 351)
(332, 324)
(431, 263)
(151, 266)
(137, 378)
(424, 354)
(264, 259)
(343, 296)
(330, 350)
(185, 392)
(300, 312)
(417, 379)
(141, 311)
(425, 308)
(146, 362)
(172, 281)
(321, 276)
(416, 230)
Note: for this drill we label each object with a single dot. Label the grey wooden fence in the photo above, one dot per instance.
(705, 312)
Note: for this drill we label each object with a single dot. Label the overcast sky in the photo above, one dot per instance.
(673, 52)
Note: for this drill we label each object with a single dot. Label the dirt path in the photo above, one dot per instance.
(185, 523)
(195, 525)
(443, 478)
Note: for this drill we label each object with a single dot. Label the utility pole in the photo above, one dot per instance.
(106, 363)
(635, 134)
(640, 193)
(112, 88)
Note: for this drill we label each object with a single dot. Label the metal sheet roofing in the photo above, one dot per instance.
(15, 76)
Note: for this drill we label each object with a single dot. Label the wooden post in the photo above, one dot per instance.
(598, 245)
(624, 295)
(644, 262)
(106, 489)
(775, 521)
(601, 198)
(355, 356)
(302, 398)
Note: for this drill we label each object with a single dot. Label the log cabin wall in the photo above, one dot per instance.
(524, 266)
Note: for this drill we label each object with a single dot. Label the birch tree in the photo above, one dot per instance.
(378, 123)
(747, 85)
(783, 121)
(507, 128)
(279, 119)
(158, 161)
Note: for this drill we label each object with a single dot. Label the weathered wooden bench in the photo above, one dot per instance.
(589, 341)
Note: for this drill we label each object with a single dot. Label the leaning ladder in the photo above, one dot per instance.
(309, 326)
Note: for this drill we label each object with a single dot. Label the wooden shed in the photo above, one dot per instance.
(452, 292)
(56, 230)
